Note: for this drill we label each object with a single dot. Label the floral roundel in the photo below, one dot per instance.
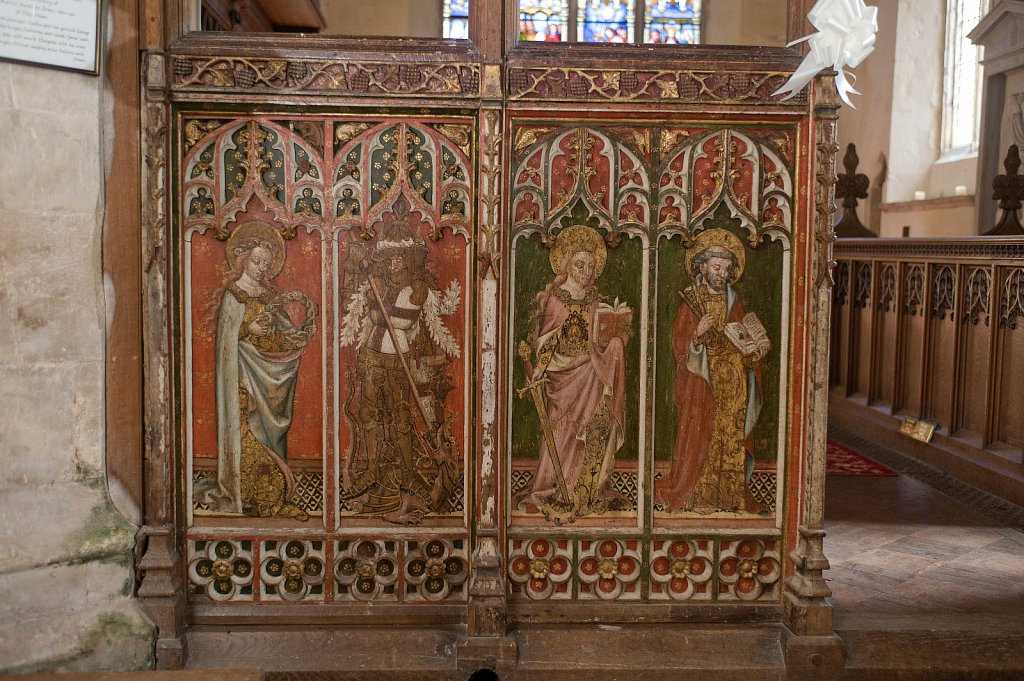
(609, 569)
(222, 569)
(749, 570)
(366, 570)
(680, 570)
(291, 570)
(435, 569)
(539, 568)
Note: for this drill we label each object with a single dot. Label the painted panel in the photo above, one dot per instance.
(326, 346)
(648, 331)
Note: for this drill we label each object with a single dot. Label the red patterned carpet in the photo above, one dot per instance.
(841, 460)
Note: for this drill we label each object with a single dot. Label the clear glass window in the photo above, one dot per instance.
(961, 100)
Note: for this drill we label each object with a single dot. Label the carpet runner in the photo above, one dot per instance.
(841, 460)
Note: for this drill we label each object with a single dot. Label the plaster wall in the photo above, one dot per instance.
(867, 123)
(927, 221)
(745, 22)
(411, 18)
(65, 552)
(897, 126)
(914, 135)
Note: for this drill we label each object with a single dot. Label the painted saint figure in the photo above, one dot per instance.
(394, 319)
(576, 374)
(718, 349)
(258, 348)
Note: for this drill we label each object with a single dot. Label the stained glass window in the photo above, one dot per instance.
(673, 22)
(456, 19)
(606, 21)
(544, 21)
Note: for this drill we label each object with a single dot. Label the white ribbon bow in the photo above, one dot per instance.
(846, 35)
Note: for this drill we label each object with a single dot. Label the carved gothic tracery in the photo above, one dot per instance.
(862, 292)
(976, 295)
(887, 288)
(943, 292)
(1011, 306)
(913, 290)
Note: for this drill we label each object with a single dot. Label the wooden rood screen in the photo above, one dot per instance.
(460, 340)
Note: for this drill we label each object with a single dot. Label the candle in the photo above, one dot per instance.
(960, 190)
(919, 195)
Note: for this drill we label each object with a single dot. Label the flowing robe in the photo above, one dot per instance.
(585, 398)
(255, 393)
(718, 400)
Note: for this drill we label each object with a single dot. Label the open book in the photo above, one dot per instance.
(747, 335)
(615, 320)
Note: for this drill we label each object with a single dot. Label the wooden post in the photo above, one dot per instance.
(851, 186)
(1008, 189)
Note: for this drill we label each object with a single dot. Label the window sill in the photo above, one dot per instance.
(955, 155)
(941, 203)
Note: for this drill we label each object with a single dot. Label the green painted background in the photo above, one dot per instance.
(622, 278)
(760, 290)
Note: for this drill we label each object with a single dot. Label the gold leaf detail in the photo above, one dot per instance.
(345, 132)
(459, 134)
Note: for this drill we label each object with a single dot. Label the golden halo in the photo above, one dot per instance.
(720, 239)
(256, 229)
(575, 239)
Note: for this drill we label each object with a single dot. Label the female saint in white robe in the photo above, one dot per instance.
(258, 349)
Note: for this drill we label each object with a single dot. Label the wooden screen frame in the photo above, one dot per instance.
(164, 36)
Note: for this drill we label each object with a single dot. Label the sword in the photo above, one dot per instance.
(534, 388)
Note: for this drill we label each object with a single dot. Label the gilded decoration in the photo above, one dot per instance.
(366, 570)
(344, 77)
(292, 570)
(541, 569)
(221, 570)
(703, 87)
(326, 262)
(616, 241)
(341, 435)
(609, 570)
(695, 569)
(749, 570)
(435, 570)
(681, 570)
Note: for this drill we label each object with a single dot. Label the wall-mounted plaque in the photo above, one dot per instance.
(62, 34)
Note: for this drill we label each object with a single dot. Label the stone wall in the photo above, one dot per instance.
(65, 553)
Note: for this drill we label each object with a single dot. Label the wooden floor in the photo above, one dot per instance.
(927, 585)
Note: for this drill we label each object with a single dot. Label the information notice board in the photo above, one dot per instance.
(58, 33)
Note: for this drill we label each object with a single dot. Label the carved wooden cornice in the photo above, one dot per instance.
(370, 67)
(984, 248)
(686, 76)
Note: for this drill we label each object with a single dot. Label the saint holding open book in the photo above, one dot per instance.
(575, 366)
(718, 347)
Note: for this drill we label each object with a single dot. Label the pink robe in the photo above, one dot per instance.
(573, 393)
